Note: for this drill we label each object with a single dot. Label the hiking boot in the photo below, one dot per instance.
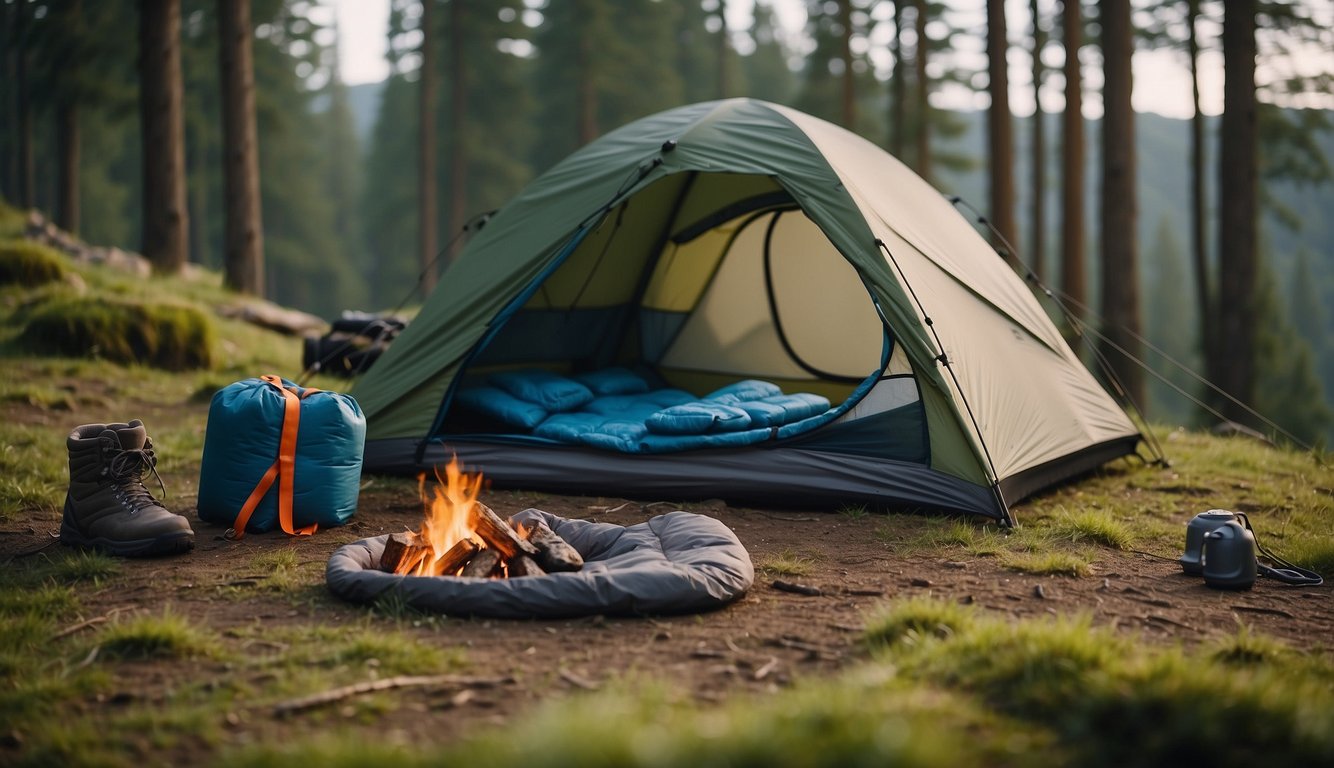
(107, 507)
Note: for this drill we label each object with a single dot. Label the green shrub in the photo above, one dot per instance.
(11, 221)
(28, 264)
(163, 336)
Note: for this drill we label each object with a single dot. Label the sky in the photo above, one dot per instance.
(1161, 80)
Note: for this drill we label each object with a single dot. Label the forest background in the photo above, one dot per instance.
(515, 85)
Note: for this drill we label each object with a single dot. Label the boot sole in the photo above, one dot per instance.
(167, 544)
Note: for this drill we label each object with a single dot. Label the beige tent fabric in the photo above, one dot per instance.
(1033, 401)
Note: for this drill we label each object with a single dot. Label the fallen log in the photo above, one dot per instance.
(553, 553)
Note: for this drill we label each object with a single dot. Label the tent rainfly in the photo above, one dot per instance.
(732, 241)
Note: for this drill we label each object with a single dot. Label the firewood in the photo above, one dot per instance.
(482, 564)
(523, 565)
(497, 534)
(553, 553)
(456, 557)
(402, 552)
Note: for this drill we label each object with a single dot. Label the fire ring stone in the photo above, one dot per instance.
(679, 562)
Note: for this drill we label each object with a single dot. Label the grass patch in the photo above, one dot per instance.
(168, 636)
(70, 566)
(175, 338)
(914, 619)
(1114, 702)
(1048, 563)
(28, 264)
(854, 511)
(34, 470)
(786, 563)
(1096, 527)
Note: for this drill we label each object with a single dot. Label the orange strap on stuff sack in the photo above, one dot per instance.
(283, 468)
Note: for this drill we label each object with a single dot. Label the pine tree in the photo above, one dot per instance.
(1120, 248)
(767, 75)
(1287, 389)
(244, 255)
(1168, 324)
(834, 77)
(166, 215)
(1234, 367)
(1074, 284)
(1000, 146)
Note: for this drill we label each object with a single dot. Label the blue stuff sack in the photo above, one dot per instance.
(247, 424)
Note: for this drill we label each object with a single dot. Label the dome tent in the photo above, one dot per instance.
(737, 240)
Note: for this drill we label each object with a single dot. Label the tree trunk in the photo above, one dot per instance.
(587, 108)
(923, 94)
(1000, 149)
(1237, 261)
(243, 249)
(1120, 273)
(8, 103)
(458, 145)
(166, 218)
(1038, 224)
(724, 87)
(1199, 252)
(67, 190)
(849, 98)
(898, 83)
(427, 85)
(27, 174)
(1073, 281)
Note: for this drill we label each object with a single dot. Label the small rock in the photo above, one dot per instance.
(1039, 592)
(920, 582)
(663, 635)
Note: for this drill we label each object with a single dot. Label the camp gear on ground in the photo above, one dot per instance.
(736, 240)
(279, 455)
(679, 562)
(1231, 550)
(1229, 557)
(354, 342)
(648, 421)
(107, 507)
(1192, 561)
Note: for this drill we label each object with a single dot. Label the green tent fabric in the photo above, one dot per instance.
(740, 239)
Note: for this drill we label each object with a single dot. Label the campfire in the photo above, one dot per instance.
(461, 536)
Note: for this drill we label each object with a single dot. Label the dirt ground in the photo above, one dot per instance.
(759, 643)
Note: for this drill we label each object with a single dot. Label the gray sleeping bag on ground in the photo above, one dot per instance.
(679, 562)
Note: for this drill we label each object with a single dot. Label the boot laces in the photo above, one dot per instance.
(127, 470)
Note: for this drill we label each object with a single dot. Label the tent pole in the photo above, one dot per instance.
(944, 359)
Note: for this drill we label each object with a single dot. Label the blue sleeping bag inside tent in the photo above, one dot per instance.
(241, 444)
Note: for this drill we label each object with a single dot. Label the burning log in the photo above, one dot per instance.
(523, 565)
(456, 557)
(553, 553)
(497, 534)
(403, 552)
(482, 564)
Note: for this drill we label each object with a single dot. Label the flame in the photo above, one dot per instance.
(449, 514)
